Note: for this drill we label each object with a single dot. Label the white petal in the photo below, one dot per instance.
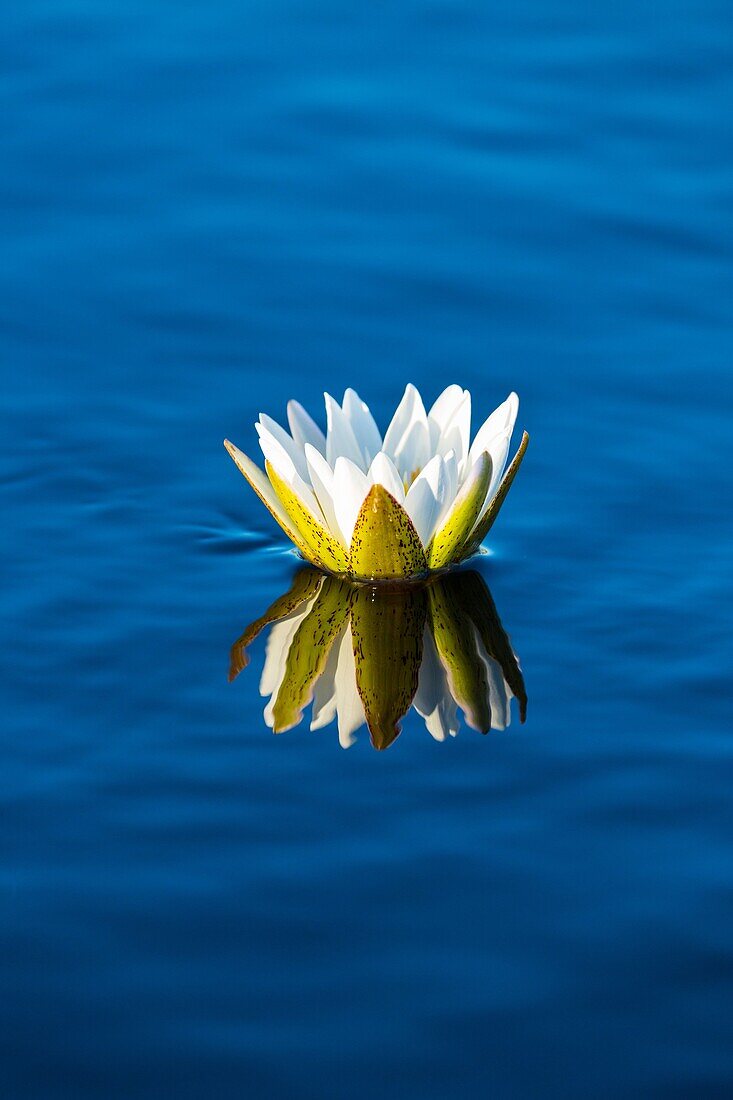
(321, 477)
(285, 467)
(425, 498)
(350, 487)
(414, 451)
(407, 440)
(348, 702)
(450, 468)
(384, 472)
(441, 412)
(304, 428)
(362, 424)
(288, 444)
(499, 451)
(340, 440)
(456, 435)
(401, 419)
(501, 420)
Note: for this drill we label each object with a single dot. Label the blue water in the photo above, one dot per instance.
(206, 209)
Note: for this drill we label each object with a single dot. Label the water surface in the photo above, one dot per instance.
(206, 210)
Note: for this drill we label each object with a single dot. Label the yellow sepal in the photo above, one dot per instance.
(385, 544)
(314, 541)
(448, 541)
(487, 521)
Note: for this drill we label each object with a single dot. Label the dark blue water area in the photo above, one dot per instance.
(205, 210)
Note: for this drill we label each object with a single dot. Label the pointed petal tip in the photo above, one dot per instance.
(312, 452)
(233, 451)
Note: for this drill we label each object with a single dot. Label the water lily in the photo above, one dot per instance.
(401, 505)
(366, 655)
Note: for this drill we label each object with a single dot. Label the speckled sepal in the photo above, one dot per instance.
(385, 544)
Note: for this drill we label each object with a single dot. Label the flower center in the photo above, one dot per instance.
(407, 482)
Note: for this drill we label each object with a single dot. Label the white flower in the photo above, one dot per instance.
(361, 504)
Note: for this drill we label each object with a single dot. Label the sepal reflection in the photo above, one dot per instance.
(364, 655)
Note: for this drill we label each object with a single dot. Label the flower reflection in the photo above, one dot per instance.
(364, 655)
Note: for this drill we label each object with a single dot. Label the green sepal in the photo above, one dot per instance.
(320, 545)
(264, 490)
(385, 544)
(487, 521)
(448, 541)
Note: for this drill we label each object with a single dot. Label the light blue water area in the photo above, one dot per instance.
(205, 210)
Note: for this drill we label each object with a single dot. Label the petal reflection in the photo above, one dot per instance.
(366, 655)
(307, 654)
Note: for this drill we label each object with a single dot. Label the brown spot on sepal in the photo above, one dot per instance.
(385, 544)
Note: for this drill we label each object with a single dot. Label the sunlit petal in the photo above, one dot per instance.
(350, 487)
(407, 440)
(304, 428)
(456, 435)
(425, 498)
(322, 480)
(363, 426)
(340, 440)
(281, 460)
(500, 422)
(270, 428)
(384, 472)
(441, 412)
